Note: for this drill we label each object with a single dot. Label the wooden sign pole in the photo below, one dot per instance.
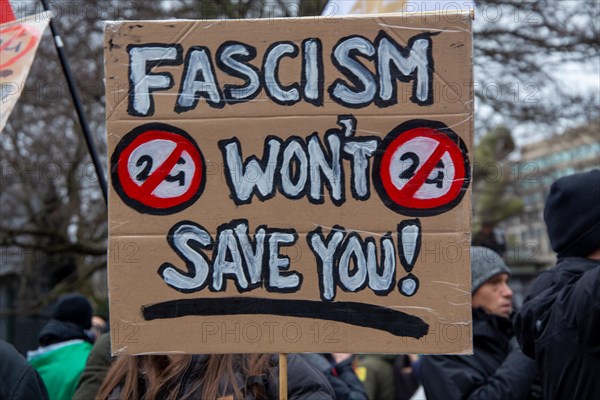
(283, 373)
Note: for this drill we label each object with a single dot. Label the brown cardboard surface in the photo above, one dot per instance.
(163, 254)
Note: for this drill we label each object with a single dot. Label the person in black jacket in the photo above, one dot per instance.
(18, 379)
(559, 324)
(497, 370)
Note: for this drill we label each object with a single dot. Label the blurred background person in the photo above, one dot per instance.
(405, 372)
(65, 342)
(339, 370)
(376, 372)
(387, 376)
(491, 237)
(99, 327)
(497, 370)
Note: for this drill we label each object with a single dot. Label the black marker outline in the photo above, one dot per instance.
(296, 175)
(405, 264)
(359, 85)
(350, 157)
(353, 124)
(263, 163)
(288, 88)
(239, 59)
(283, 271)
(197, 247)
(372, 316)
(253, 246)
(319, 232)
(381, 263)
(198, 93)
(228, 275)
(327, 152)
(320, 80)
(338, 255)
(149, 65)
(395, 73)
(411, 277)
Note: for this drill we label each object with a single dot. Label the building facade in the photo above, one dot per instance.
(540, 164)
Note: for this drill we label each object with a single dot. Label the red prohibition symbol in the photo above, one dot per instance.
(16, 42)
(421, 168)
(158, 169)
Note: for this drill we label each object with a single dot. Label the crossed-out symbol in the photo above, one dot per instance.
(158, 169)
(421, 169)
(15, 42)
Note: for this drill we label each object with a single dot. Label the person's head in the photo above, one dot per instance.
(487, 227)
(572, 214)
(98, 327)
(74, 308)
(71, 318)
(489, 282)
(161, 376)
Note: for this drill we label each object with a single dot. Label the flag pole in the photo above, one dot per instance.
(78, 106)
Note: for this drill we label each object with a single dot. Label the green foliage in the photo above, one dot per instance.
(492, 198)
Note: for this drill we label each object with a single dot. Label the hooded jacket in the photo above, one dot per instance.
(496, 370)
(559, 325)
(60, 366)
(62, 356)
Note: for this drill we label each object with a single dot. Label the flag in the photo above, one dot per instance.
(345, 7)
(6, 12)
(19, 41)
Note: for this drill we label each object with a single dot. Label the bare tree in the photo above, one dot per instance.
(527, 54)
(524, 51)
(51, 204)
(53, 221)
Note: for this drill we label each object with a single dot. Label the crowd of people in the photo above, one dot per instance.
(549, 349)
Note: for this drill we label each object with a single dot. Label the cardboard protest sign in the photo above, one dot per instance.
(19, 41)
(290, 185)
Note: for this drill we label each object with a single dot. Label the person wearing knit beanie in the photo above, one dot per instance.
(485, 264)
(74, 308)
(65, 343)
(559, 322)
(497, 369)
(489, 282)
(71, 319)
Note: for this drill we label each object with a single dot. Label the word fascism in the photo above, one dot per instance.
(360, 88)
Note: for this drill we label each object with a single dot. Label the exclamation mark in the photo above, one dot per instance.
(409, 246)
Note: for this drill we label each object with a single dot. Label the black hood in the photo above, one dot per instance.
(56, 331)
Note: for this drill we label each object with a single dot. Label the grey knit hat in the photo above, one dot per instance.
(485, 264)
